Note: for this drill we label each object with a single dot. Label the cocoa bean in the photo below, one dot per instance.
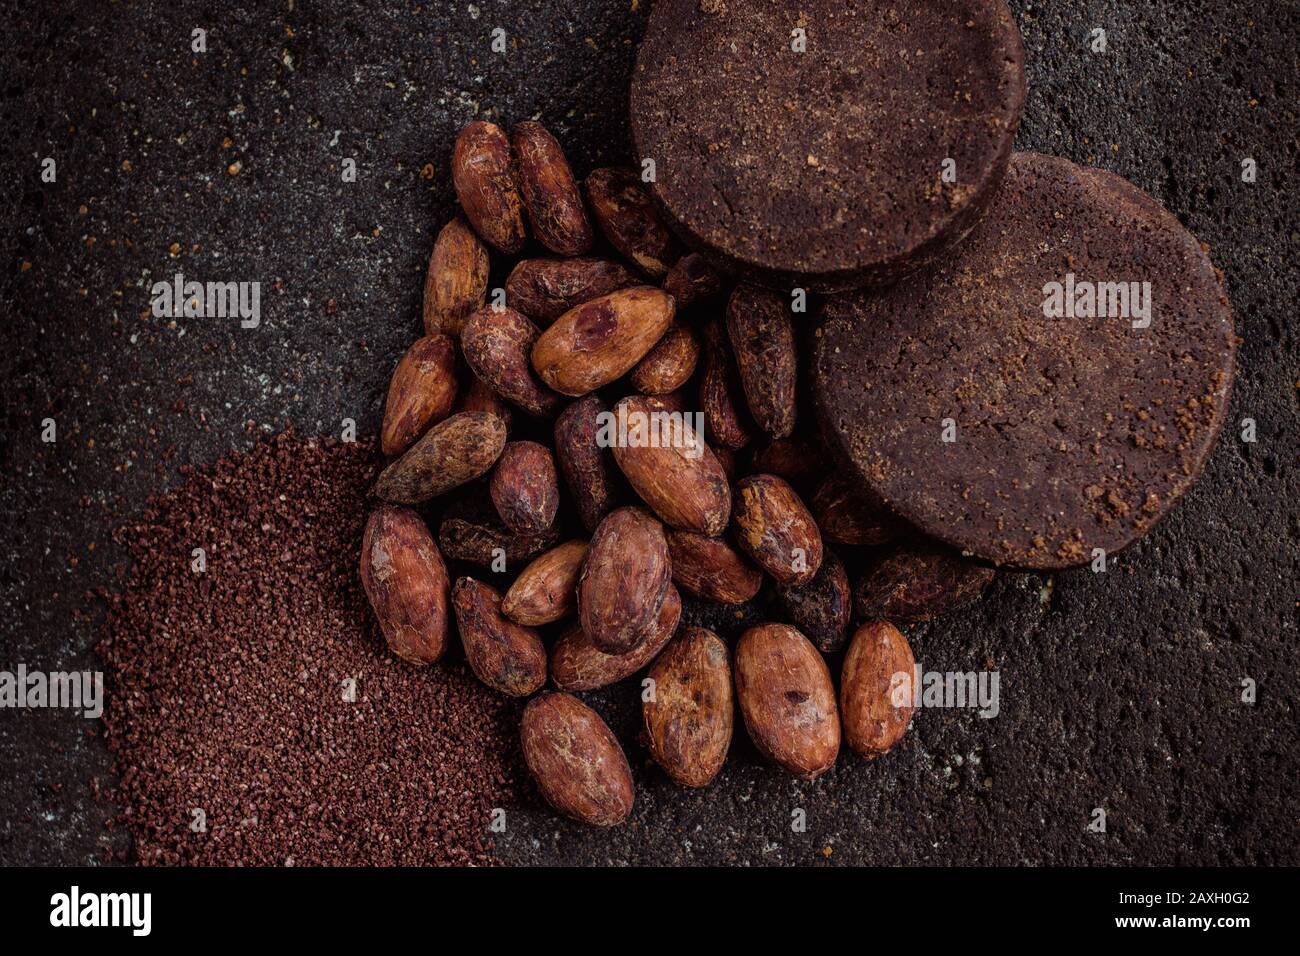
(456, 450)
(482, 170)
(670, 364)
(876, 689)
(688, 717)
(479, 397)
(711, 569)
(472, 531)
(627, 216)
(798, 459)
(845, 517)
(578, 664)
(497, 343)
(623, 580)
(544, 289)
(762, 337)
(546, 590)
(456, 281)
(594, 343)
(727, 422)
(775, 529)
(506, 656)
(525, 488)
(787, 699)
(576, 761)
(588, 468)
(668, 464)
(406, 581)
(421, 393)
(692, 281)
(821, 609)
(551, 196)
(916, 582)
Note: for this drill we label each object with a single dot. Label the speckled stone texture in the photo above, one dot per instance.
(1119, 691)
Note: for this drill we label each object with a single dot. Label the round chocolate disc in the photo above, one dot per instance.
(1050, 389)
(827, 144)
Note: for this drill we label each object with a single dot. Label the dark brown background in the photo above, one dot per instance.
(1118, 690)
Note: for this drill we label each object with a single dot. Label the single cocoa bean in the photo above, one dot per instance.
(787, 699)
(406, 581)
(456, 281)
(578, 664)
(623, 580)
(551, 196)
(594, 343)
(486, 541)
(876, 689)
(497, 343)
(692, 281)
(627, 216)
(762, 337)
(667, 463)
(588, 467)
(456, 450)
(727, 422)
(668, 365)
(421, 393)
(917, 581)
(711, 569)
(506, 656)
(775, 529)
(525, 488)
(688, 717)
(822, 609)
(544, 289)
(471, 530)
(546, 590)
(845, 517)
(576, 761)
(482, 170)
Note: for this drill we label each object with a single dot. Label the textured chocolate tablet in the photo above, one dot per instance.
(823, 143)
(1052, 388)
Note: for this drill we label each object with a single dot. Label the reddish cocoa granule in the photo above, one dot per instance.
(227, 687)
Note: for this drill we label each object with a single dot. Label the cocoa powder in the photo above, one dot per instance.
(227, 687)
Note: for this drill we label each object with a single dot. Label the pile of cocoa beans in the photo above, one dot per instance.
(729, 491)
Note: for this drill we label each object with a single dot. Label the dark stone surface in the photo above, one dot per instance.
(1119, 690)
